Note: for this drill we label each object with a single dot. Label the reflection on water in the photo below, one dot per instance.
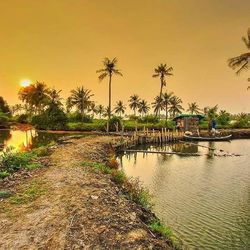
(205, 199)
(22, 140)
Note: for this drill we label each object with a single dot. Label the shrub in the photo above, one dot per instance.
(242, 121)
(23, 118)
(3, 118)
(77, 117)
(149, 119)
(12, 161)
(53, 118)
(114, 122)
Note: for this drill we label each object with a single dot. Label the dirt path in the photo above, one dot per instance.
(67, 206)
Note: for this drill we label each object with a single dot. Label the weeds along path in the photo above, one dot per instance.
(67, 206)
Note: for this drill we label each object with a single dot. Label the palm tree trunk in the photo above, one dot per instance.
(158, 110)
(166, 112)
(109, 111)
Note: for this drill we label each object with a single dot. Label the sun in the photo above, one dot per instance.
(25, 82)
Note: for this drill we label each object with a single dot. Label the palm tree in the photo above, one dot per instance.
(35, 95)
(55, 98)
(120, 108)
(166, 102)
(108, 71)
(158, 105)
(241, 62)
(80, 98)
(69, 104)
(143, 107)
(162, 71)
(92, 108)
(16, 109)
(134, 103)
(100, 110)
(176, 107)
(211, 114)
(193, 108)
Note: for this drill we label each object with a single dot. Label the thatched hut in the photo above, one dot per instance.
(188, 122)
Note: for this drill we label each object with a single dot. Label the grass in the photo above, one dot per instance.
(132, 188)
(30, 193)
(158, 227)
(12, 161)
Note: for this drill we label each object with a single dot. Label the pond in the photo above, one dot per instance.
(204, 199)
(23, 140)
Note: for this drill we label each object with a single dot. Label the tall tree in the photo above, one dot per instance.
(157, 105)
(241, 62)
(100, 109)
(108, 71)
(134, 102)
(120, 108)
(143, 107)
(80, 98)
(193, 108)
(162, 71)
(55, 98)
(166, 102)
(176, 107)
(36, 96)
(4, 107)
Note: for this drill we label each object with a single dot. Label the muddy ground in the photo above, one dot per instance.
(67, 206)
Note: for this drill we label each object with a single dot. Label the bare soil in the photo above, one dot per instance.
(67, 206)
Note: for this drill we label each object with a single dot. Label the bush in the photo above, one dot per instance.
(53, 118)
(115, 121)
(13, 161)
(3, 119)
(77, 117)
(242, 121)
(23, 118)
(149, 119)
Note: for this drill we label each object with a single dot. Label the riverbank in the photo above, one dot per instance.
(65, 205)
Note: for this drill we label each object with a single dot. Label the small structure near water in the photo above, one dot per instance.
(188, 122)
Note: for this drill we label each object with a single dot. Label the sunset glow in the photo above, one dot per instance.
(25, 83)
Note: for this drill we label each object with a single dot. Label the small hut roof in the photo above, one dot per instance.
(200, 117)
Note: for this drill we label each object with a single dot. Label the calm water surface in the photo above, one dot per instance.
(24, 140)
(204, 199)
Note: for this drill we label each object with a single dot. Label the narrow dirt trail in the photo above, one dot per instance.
(76, 207)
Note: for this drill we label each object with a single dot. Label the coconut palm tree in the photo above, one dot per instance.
(193, 108)
(92, 108)
(35, 95)
(157, 105)
(134, 103)
(108, 71)
(80, 98)
(211, 115)
(166, 101)
(54, 96)
(17, 109)
(120, 108)
(241, 62)
(162, 71)
(100, 110)
(176, 107)
(68, 104)
(143, 107)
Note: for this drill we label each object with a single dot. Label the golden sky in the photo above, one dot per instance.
(62, 42)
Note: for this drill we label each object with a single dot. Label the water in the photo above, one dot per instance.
(22, 140)
(204, 199)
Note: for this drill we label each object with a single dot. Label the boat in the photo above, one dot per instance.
(211, 138)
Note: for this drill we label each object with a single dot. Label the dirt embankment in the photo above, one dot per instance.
(67, 206)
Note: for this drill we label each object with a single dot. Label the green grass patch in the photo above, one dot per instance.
(158, 227)
(132, 188)
(5, 194)
(34, 190)
(4, 174)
